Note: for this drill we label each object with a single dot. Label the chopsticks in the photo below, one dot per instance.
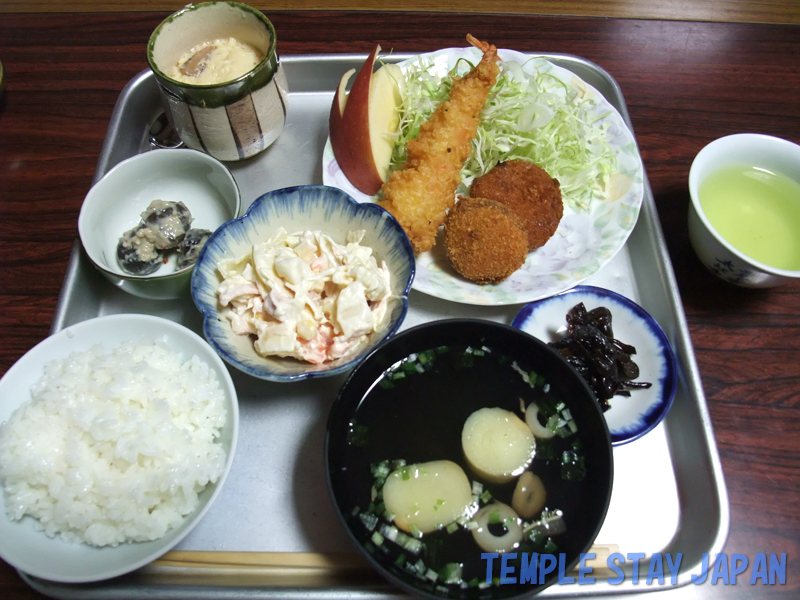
(263, 569)
(289, 569)
(296, 560)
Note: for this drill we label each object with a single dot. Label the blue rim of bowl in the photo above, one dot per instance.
(278, 196)
(669, 382)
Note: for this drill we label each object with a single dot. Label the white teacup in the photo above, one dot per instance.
(765, 152)
(233, 119)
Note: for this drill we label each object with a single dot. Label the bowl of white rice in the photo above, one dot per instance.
(116, 436)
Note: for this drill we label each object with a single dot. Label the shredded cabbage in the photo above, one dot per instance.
(534, 117)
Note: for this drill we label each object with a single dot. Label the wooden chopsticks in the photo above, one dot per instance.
(288, 569)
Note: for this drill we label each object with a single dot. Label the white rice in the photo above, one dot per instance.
(114, 445)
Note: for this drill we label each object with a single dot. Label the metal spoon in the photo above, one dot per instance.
(161, 134)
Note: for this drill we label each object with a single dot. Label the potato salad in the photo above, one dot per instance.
(303, 295)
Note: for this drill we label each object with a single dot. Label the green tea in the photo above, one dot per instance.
(757, 212)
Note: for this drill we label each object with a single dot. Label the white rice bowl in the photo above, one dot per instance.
(125, 433)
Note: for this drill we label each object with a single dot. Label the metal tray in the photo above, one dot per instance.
(272, 532)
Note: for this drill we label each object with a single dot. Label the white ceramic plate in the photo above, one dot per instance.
(584, 241)
(54, 559)
(629, 418)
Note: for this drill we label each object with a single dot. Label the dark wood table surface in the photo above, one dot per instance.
(685, 83)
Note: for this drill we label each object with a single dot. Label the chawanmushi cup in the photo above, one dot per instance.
(235, 119)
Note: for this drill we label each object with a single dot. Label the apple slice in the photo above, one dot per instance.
(361, 123)
(384, 115)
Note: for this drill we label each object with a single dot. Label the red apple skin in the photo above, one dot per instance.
(349, 130)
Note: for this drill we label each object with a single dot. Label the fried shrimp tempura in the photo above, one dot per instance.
(420, 195)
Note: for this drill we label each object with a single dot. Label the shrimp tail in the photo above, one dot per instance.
(482, 46)
(487, 69)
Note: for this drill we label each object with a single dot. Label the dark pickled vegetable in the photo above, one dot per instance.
(167, 223)
(603, 361)
(164, 226)
(136, 254)
(190, 247)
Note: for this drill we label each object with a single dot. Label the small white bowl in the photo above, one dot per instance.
(308, 207)
(629, 418)
(717, 254)
(54, 559)
(115, 203)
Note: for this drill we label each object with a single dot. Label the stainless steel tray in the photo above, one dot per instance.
(272, 532)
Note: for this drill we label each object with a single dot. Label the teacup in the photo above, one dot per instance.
(764, 158)
(229, 115)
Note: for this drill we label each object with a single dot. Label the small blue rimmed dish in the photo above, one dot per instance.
(630, 417)
(296, 209)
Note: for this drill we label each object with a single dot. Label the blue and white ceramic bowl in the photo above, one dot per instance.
(629, 418)
(311, 207)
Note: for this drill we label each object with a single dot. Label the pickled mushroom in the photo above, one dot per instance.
(166, 223)
(163, 226)
(530, 495)
(136, 254)
(189, 249)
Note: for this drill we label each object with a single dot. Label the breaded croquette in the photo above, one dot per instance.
(530, 192)
(484, 240)
(420, 195)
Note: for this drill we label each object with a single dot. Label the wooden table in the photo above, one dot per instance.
(685, 83)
